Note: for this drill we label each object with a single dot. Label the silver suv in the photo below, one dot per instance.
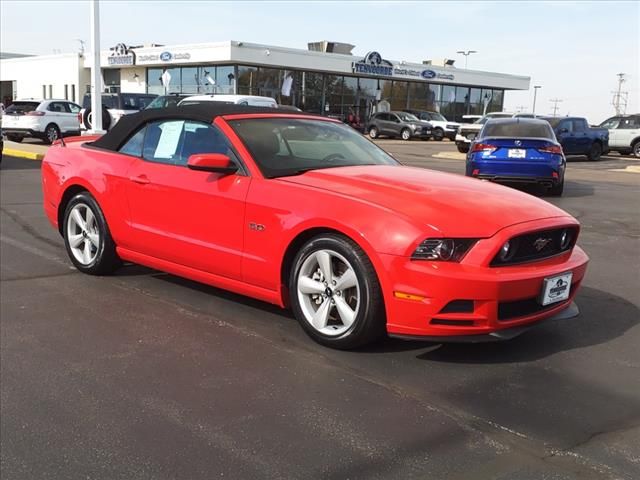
(398, 124)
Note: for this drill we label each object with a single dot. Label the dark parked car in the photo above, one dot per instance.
(398, 124)
(164, 101)
(578, 138)
(518, 150)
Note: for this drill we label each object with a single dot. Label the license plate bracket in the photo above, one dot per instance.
(517, 153)
(556, 289)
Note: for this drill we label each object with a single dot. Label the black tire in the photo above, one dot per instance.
(438, 134)
(15, 138)
(636, 149)
(373, 132)
(462, 147)
(51, 134)
(405, 134)
(106, 119)
(595, 152)
(106, 259)
(370, 321)
(557, 189)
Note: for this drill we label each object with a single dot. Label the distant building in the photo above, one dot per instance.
(324, 79)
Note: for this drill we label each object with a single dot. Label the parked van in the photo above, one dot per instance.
(252, 100)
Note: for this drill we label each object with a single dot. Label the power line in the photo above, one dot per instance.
(620, 98)
(555, 102)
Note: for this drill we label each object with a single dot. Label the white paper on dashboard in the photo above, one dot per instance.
(169, 139)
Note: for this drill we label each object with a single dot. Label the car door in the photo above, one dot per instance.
(393, 125)
(73, 124)
(581, 135)
(564, 134)
(187, 217)
(55, 114)
(627, 131)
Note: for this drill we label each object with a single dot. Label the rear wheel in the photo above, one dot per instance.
(335, 293)
(405, 134)
(462, 147)
(87, 237)
(438, 134)
(636, 149)
(51, 134)
(557, 189)
(373, 132)
(595, 152)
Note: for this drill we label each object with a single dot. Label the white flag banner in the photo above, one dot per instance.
(286, 86)
(210, 80)
(166, 79)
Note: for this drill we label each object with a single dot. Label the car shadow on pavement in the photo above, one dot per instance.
(603, 317)
(572, 189)
(13, 163)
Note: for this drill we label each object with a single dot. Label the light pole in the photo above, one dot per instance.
(535, 93)
(466, 54)
(96, 77)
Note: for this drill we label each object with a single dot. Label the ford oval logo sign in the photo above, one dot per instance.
(428, 74)
(166, 56)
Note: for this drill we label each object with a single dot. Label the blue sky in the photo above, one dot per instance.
(573, 49)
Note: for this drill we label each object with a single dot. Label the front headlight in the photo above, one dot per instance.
(443, 249)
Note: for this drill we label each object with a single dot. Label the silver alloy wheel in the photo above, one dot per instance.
(636, 149)
(406, 134)
(373, 132)
(328, 292)
(83, 234)
(52, 133)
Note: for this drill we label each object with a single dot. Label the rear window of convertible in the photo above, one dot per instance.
(287, 146)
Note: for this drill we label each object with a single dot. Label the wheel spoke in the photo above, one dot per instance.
(78, 219)
(324, 262)
(93, 238)
(344, 311)
(75, 240)
(319, 320)
(309, 286)
(90, 219)
(347, 280)
(86, 253)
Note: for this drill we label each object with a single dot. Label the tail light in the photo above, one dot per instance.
(483, 147)
(555, 149)
(35, 113)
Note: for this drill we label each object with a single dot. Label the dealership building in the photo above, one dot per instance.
(326, 78)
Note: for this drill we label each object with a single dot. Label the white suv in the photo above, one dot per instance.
(251, 100)
(47, 120)
(114, 107)
(441, 126)
(624, 134)
(469, 131)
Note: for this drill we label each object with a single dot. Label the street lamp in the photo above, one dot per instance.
(535, 92)
(466, 54)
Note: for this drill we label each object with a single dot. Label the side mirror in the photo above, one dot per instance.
(212, 162)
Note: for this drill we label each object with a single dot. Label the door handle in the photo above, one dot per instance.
(141, 179)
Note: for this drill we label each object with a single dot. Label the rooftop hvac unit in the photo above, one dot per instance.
(331, 47)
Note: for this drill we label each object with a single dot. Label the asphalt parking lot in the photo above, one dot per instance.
(143, 375)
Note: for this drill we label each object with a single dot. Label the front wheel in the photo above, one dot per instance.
(462, 147)
(406, 134)
(438, 134)
(335, 293)
(87, 237)
(636, 149)
(595, 152)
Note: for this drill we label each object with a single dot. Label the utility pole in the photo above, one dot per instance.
(96, 76)
(555, 102)
(535, 94)
(619, 101)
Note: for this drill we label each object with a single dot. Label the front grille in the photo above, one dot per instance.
(522, 308)
(452, 127)
(537, 246)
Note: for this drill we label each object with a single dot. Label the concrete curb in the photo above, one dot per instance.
(628, 169)
(11, 152)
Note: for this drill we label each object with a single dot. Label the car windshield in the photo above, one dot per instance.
(286, 146)
(437, 117)
(554, 121)
(407, 117)
(21, 107)
(516, 129)
(165, 101)
(611, 123)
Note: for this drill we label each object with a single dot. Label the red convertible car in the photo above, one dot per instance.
(304, 212)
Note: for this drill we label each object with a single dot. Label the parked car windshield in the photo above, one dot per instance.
(611, 123)
(407, 117)
(21, 107)
(516, 129)
(438, 117)
(286, 146)
(165, 101)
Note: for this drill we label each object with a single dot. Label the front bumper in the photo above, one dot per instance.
(501, 298)
(426, 133)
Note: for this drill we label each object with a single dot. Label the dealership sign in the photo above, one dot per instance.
(121, 55)
(374, 64)
(164, 57)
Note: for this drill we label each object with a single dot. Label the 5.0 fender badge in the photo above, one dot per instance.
(256, 226)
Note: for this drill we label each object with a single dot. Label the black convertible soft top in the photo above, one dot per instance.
(204, 112)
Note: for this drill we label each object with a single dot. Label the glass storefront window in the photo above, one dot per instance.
(333, 96)
(419, 96)
(475, 96)
(270, 82)
(190, 81)
(497, 100)
(154, 80)
(247, 80)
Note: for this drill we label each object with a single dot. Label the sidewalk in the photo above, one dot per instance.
(26, 149)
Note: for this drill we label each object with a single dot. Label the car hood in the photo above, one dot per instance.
(450, 204)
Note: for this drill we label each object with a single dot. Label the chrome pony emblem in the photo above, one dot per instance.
(540, 243)
(518, 143)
